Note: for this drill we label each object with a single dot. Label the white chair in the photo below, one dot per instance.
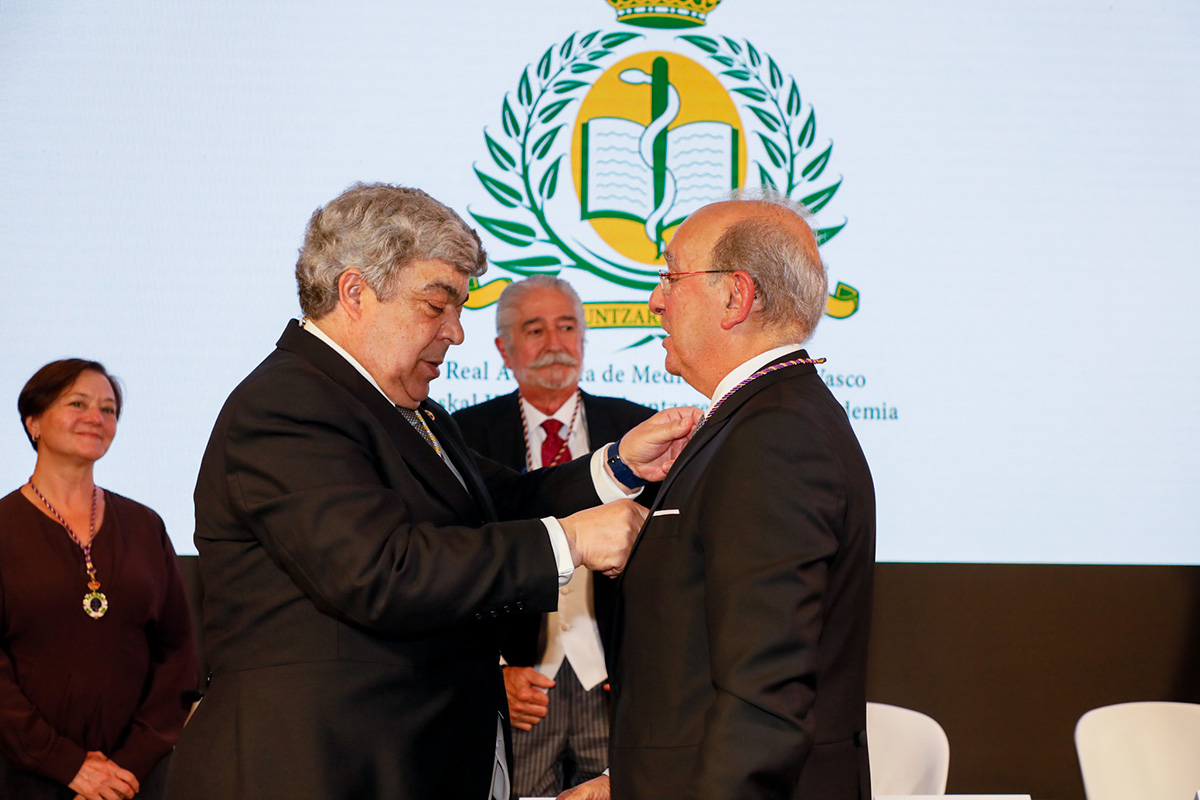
(909, 751)
(1147, 751)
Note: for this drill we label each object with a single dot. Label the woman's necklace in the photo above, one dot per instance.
(95, 604)
(566, 439)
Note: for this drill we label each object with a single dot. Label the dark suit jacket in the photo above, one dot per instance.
(493, 428)
(352, 589)
(740, 636)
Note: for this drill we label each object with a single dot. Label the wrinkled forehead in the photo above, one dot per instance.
(436, 278)
(694, 238)
(546, 304)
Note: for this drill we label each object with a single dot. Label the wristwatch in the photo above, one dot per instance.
(620, 469)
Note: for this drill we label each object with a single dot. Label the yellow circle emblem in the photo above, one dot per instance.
(656, 137)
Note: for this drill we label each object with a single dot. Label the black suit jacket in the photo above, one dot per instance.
(740, 636)
(493, 428)
(352, 590)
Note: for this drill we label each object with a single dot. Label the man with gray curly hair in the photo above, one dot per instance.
(379, 230)
(357, 557)
(738, 655)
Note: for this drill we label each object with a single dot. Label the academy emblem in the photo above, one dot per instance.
(611, 139)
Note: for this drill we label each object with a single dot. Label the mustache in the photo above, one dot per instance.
(554, 358)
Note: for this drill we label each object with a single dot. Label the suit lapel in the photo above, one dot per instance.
(459, 453)
(718, 419)
(413, 448)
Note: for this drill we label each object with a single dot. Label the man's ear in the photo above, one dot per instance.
(740, 301)
(503, 348)
(350, 293)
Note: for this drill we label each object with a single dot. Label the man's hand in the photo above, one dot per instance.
(601, 538)
(527, 702)
(652, 447)
(101, 779)
(595, 789)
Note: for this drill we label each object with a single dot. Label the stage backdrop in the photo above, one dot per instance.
(1005, 192)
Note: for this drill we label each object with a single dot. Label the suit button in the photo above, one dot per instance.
(479, 615)
(860, 738)
(494, 614)
(507, 610)
(520, 606)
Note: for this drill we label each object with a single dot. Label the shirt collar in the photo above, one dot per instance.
(535, 418)
(749, 367)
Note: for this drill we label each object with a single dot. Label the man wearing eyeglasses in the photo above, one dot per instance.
(739, 646)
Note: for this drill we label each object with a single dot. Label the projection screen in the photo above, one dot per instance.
(1006, 192)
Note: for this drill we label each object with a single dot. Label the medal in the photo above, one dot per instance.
(95, 604)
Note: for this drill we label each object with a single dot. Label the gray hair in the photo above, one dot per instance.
(788, 281)
(379, 229)
(514, 293)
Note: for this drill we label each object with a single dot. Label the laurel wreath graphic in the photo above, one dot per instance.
(543, 92)
(541, 99)
(786, 147)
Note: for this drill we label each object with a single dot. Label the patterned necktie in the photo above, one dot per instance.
(419, 425)
(422, 428)
(554, 449)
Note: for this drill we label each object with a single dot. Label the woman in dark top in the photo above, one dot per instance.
(97, 662)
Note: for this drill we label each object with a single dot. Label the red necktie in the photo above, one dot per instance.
(554, 449)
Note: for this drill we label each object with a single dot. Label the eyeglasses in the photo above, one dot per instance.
(665, 277)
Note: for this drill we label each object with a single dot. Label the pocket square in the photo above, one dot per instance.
(662, 512)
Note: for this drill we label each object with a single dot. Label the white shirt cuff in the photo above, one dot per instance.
(608, 488)
(562, 550)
